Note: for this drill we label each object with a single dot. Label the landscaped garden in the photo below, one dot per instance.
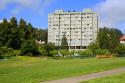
(24, 60)
(22, 69)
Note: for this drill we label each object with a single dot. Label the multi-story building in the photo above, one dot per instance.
(80, 28)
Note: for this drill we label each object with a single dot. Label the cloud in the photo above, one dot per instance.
(24, 4)
(1, 21)
(111, 13)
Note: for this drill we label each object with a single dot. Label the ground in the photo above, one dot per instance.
(34, 70)
(120, 78)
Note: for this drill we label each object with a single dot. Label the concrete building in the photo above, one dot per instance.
(80, 28)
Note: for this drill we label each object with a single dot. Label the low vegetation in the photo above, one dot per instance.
(24, 69)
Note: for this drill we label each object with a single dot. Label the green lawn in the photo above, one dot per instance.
(120, 78)
(34, 70)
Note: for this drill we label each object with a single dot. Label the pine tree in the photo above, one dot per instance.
(4, 34)
(64, 44)
(13, 40)
(22, 29)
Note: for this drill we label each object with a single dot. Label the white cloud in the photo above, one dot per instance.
(111, 13)
(22, 4)
(1, 21)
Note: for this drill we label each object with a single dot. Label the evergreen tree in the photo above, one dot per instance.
(64, 44)
(29, 32)
(13, 40)
(4, 34)
(109, 38)
(22, 29)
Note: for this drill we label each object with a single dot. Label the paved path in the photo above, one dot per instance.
(78, 79)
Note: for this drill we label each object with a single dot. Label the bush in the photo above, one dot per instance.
(64, 52)
(47, 47)
(71, 52)
(120, 50)
(85, 53)
(6, 52)
(29, 46)
(102, 52)
(54, 52)
(43, 52)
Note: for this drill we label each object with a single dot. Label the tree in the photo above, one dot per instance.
(120, 50)
(64, 44)
(93, 47)
(108, 38)
(47, 47)
(42, 35)
(29, 34)
(29, 46)
(4, 33)
(104, 38)
(13, 39)
(22, 29)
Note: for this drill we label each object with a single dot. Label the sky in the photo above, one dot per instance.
(111, 12)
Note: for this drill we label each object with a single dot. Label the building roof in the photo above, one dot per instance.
(122, 38)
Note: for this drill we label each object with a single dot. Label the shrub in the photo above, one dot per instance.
(120, 50)
(29, 46)
(48, 47)
(64, 52)
(71, 52)
(54, 52)
(6, 52)
(102, 52)
(85, 53)
(43, 52)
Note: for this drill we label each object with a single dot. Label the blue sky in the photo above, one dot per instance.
(111, 12)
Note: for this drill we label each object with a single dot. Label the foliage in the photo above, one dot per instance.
(43, 52)
(108, 38)
(29, 46)
(47, 47)
(120, 50)
(41, 35)
(85, 53)
(64, 52)
(13, 33)
(54, 52)
(93, 47)
(102, 52)
(64, 44)
(71, 52)
(6, 52)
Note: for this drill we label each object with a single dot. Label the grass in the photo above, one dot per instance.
(34, 70)
(120, 78)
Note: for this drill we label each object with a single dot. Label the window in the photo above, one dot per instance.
(76, 31)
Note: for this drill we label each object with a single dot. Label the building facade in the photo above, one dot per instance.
(80, 28)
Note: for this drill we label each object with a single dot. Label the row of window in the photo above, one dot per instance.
(75, 39)
(72, 28)
(74, 14)
(69, 24)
